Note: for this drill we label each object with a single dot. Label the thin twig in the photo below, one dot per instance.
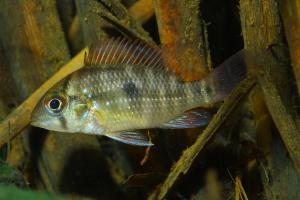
(239, 189)
(147, 151)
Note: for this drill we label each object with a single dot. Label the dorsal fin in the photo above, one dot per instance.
(123, 51)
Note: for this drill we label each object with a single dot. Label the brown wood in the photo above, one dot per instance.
(262, 33)
(183, 35)
(290, 10)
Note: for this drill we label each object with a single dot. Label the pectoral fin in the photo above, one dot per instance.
(190, 119)
(132, 138)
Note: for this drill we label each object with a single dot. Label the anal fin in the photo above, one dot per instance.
(189, 119)
(132, 138)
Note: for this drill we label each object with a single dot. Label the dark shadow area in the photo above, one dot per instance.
(86, 174)
(223, 27)
(151, 27)
(219, 159)
(36, 140)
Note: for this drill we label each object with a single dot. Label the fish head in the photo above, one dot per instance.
(57, 111)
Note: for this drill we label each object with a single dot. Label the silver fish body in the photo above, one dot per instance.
(128, 98)
(115, 95)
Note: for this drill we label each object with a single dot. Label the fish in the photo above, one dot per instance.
(125, 86)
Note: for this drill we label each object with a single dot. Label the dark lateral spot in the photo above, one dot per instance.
(130, 89)
(208, 90)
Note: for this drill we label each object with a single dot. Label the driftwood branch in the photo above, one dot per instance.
(263, 37)
(290, 10)
(282, 117)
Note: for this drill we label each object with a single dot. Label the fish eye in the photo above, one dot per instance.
(55, 104)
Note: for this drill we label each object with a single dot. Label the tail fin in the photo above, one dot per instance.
(226, 76)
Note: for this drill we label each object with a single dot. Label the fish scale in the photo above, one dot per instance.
(125, 86)
(135, 109)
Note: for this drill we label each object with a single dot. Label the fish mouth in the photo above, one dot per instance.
(37, 124)
(34, 123)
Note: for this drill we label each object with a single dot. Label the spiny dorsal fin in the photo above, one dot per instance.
(123, 51)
